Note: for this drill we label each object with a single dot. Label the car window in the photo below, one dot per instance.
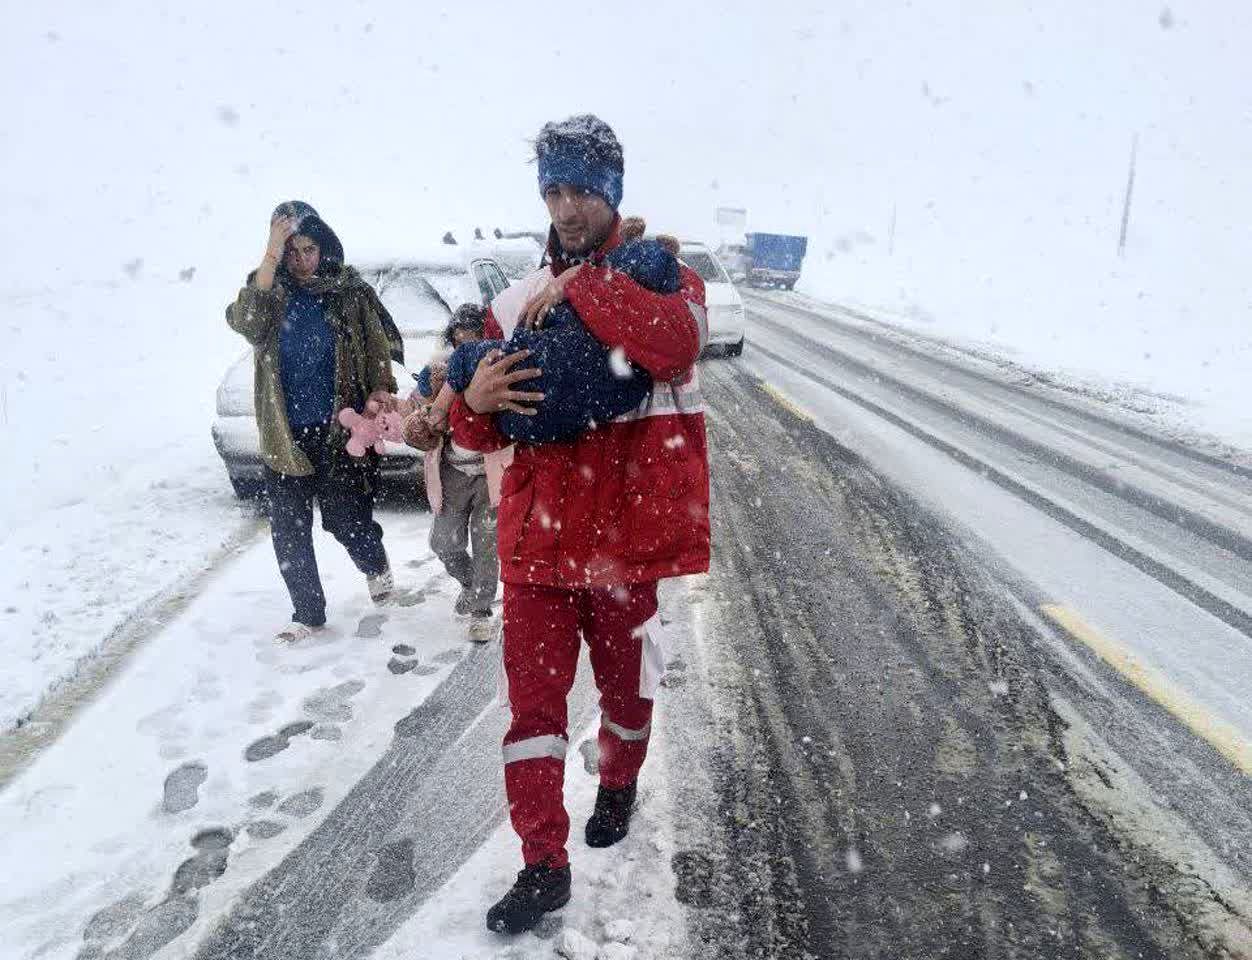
(705, 264)
(496, 276)
(479, 270)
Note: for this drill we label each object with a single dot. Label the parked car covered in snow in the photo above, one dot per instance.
(420, 295)
(725, 306)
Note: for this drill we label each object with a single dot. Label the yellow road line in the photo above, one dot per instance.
(1219, 734)
(785, 401)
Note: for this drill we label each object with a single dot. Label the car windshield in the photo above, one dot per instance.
(706, 265)
(408, 293)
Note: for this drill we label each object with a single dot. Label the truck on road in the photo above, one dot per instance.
(773, 259)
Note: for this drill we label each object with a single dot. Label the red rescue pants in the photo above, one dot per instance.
(542, 627)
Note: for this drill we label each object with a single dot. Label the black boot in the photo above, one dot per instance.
(610, 820)
(539, 889)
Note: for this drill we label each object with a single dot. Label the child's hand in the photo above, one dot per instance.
(438, 377)
(419, 433)
(541, 304)
(437, 417)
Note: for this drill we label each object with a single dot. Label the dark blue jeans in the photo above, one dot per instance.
(347, 514)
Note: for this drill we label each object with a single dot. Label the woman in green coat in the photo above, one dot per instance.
(320, 343)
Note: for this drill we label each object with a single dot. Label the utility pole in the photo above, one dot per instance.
(1130, 190)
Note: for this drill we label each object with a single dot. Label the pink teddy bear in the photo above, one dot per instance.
(372, 428)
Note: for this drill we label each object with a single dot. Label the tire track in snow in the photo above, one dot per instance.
(890, 778)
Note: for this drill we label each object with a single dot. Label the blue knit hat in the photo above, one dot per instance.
(584, 152)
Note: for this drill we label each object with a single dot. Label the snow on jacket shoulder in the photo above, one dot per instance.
(626, 502)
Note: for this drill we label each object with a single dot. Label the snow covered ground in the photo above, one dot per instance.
(217, 753)
(623, 906)
(113, 492)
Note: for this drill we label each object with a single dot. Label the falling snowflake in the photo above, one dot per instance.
(619, 364)
(855, 863)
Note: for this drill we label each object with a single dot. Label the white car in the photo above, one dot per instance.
(420, 295)
(726, 317)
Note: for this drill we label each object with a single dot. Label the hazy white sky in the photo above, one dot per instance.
(168, 130)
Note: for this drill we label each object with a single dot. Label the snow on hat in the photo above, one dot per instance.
(581, 151)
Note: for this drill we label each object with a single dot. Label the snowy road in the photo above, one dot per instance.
(964, 681)
(905, 760)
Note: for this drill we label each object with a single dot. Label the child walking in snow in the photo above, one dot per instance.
(461, 494)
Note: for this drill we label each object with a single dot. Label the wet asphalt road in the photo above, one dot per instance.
(884, 773)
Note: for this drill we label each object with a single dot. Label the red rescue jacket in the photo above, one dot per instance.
(627, 502)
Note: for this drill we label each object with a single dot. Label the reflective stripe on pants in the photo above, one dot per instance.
(624, 733)
(543, 630)
(536, 747)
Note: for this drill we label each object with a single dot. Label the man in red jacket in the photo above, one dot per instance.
(588, 527)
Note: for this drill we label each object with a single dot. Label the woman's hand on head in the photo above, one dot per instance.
(281, 230)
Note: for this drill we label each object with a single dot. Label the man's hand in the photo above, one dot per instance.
(491, 389)
(541, 304)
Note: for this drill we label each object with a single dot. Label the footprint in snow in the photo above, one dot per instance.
(148, 930)
(371, 626)
(116, 919)
(265, 829)
(153, 929)
(212, 850)
(297, 806)
(267, 747)
(182, 787)
(393, 875)
(263, 800)
(302, 804)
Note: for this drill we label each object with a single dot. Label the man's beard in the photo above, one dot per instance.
(588, 246)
